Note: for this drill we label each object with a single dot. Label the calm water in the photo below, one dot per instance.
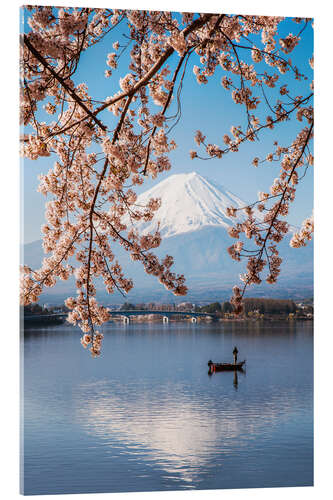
(146, 416)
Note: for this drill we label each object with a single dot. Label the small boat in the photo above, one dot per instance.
(221, 367)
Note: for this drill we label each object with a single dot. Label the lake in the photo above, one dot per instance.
(146, 416)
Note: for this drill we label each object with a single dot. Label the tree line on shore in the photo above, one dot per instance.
(253, 307)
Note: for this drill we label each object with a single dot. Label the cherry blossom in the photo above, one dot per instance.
(90, 188)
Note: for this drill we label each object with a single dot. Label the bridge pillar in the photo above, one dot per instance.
(194, 319)
(126, 320)
(165, 319)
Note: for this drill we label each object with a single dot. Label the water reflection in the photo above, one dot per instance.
(235, 372)
(180, 434)
(146, 417)
(235, 379)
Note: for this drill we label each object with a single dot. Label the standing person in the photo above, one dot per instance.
(235, 352)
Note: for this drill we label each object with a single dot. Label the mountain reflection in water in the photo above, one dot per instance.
(147, 417)
(177, 431)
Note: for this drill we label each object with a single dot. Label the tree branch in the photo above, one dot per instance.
(62, 82)
(198, 23)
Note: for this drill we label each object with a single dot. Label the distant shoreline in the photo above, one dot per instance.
(38, 322)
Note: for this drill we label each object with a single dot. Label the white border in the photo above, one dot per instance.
(323, 188)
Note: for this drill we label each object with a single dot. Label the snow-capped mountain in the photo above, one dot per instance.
(193, 224)
(189, 203)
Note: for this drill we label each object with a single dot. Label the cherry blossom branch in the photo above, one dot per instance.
(92, 207)
(50, 272)
(98, 198)
(198, 23)
(238, 295)
(181, 60)
(62, 82)
(249, 135)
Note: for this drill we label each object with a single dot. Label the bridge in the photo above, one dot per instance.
(125, 315)
(165, 314)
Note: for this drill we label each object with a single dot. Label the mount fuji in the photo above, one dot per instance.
(189, 203)
(193, 222)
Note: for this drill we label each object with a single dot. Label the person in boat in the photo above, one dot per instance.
(235, 352)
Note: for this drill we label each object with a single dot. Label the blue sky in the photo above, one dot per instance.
(205, 107)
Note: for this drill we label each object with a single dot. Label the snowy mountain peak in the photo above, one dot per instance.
(189, 202)
(193, 223)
